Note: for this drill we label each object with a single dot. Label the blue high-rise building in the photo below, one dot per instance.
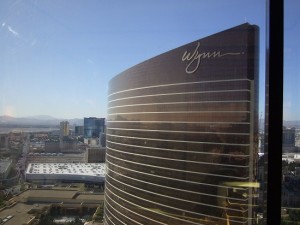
(93, 127)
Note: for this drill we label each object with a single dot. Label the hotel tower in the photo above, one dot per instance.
(182, 135)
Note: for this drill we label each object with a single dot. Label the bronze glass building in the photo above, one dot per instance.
(182, 134)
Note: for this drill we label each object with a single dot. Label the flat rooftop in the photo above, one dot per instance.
(35, 199)
(87, 169)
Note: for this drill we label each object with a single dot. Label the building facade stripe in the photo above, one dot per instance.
(177, 170)
(147, 218)
(179, 160)
(148, 209)
(177, 84)
(211, 143)
(178, 150)
(176, 189)
(177, 180)
(179, 199)
(175, 131)
(177, 93)
(186, 120)
(177, 103)
(178, 209)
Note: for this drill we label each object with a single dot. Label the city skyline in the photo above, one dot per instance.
(58, 57)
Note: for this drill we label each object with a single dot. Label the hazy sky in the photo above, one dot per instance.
(57, 56)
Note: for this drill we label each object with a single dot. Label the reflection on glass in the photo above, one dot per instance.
(182, 130)
(182, 147)
(290, 211)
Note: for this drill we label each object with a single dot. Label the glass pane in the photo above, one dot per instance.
(182, 132)
(182, 117)
(291, 112)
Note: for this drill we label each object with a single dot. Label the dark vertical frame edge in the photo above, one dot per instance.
(274, 110)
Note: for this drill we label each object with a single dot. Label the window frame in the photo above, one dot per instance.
(274, 105)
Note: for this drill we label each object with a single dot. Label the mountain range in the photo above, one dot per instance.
(40, 120)
(45, 120)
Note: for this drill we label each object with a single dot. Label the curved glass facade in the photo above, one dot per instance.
(182, 134)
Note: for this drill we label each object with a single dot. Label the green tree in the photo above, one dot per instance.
(46, 220)
(2, 201)
(99, 212)
(294, 215)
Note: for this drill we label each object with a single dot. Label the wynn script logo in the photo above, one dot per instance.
(194, 58)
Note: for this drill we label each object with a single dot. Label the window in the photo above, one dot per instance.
(58, 58)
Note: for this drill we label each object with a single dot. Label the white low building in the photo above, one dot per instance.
(291, 157)
(65, 172)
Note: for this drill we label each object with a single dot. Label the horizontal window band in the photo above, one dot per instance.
(179, 150)
(151, 210)
(173, 179)
(171, 207)
(147, 218)
(178, 131)
(177, 137)
(188, 127)
(178, 93)
(177, 122)
(179, 190)
(177, 112)
(178, 170)
(177, 103)
(178, 84)
(114, 216)
(188, 110)
(132, 220)
(173, 198)
(178, 160)
(181, 141)
(228, 172)
(107, 218)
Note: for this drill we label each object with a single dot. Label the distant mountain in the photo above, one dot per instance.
(293, 123)
(42, 117)
(45, 120)
(286, 123)
(40, 120)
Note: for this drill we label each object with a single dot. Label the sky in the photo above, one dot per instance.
(291, 94)
(57, 56)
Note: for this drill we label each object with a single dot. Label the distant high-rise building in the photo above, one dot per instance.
(3, 141)
(79, 131)
(64, 128)
(95, 154)
(53, 146)
(288, 137)
(182, 135)
(93, 127)
(102, 139)
(5, 168)
(63, 144)
(289, 140)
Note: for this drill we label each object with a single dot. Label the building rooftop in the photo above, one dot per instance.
(88, 169)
